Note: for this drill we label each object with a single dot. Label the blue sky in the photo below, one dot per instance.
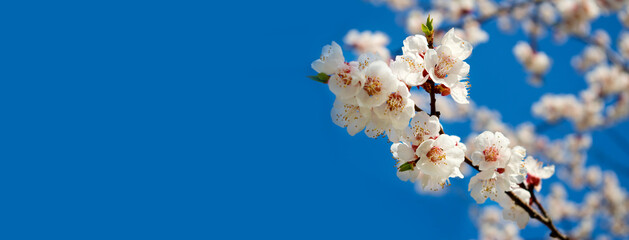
(194, 120)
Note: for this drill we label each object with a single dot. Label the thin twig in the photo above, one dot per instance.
(554, 232)
(612, 56)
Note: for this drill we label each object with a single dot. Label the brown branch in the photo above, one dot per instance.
(544, 219)
(539, 205)
(533, 214)
(433, 100)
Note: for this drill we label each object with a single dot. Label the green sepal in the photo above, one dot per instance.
(321, 77)
(407, 166)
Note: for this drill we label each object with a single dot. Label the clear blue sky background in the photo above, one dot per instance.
(194, 120)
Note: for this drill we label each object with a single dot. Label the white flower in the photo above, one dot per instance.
(492, 151)
(490, 183)
(439, 160)
(483, 186)
(400, 5)
(487, 7)
(577, 14)
(547, 13)
(540, 63)
(516, 170)
(416, 44)
(445, 64)
(594, 175)
(409, 68)
(365, 59)
(535, 62)
(611, 80)
(404, 153)
(378, 84)
(553, 107)
(331, 59)
(345, 82)
(513, 212)
(377, 127)
(368, 42)
(398, 109)
(347, 113)
(474, 34)
(522, 51)
(536, 172)
(590, 56)
(423, 127)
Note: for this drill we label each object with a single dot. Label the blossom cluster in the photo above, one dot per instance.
(373, 94)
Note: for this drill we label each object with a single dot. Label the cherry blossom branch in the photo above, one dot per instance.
(433, 99)
(530, 188)
(612, 56)
(430, 82)
(532, 213)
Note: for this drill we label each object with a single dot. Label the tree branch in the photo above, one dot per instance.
(532, 213)
(612, 56)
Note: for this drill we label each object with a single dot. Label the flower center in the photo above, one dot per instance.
(436, 154)
(444, 65)
(372, 85)
(491, 154)
(420, 132)
(394, 103)
(345, 79)
(412, 65)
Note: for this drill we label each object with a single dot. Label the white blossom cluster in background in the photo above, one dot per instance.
(383, 94)
(491, 226)
(605, 70)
